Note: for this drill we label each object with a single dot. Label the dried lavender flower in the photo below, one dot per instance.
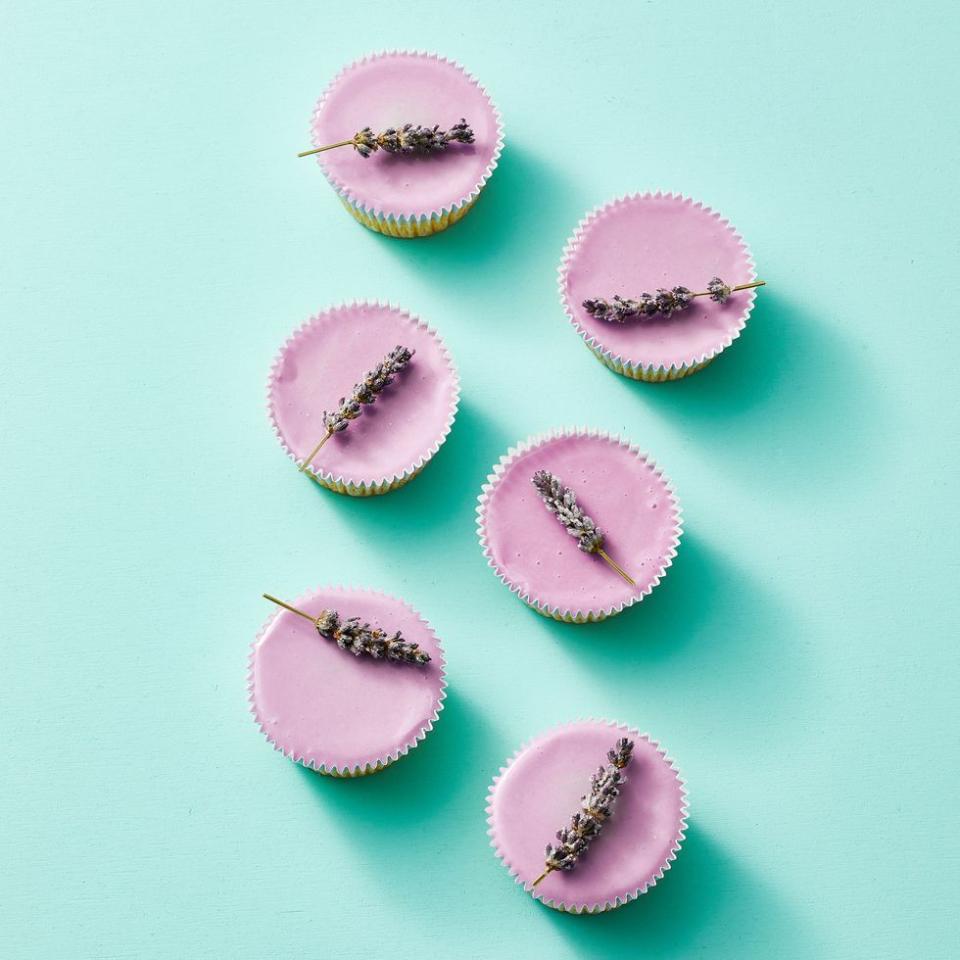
(367, 390)
(595, 809)
(358, 638)
(411, 138)
(664, 302)
(561, 501)
(719, 291)
(364, 640)
(365, 142)
(364, 392)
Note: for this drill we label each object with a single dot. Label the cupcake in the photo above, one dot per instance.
(637, 281)
(346, 681)
(579, 524)
(588, 815)
(362, 396)
(418, 139)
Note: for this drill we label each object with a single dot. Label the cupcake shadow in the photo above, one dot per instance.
(416, 787)
(708, 618)
(433, 504)
(423, 811)
(705, 899)
(666, 621)
(497, 230)
(788, 393)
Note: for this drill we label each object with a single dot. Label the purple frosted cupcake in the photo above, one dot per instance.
(650, 282)
(333, 687)
(587, 816)
(579, 524)
(421, 140)
(377, 439)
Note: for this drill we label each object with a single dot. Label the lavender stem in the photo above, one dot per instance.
(596, 808)
(365, 392)
(664, 303)
(561, 501)
(360, 639)
(411, 138)
(329, 146)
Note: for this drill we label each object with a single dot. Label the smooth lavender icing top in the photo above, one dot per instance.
(640, 243)
(389, 90)
(328, 708)
(625, 496)
(322, 362)
(541, 789)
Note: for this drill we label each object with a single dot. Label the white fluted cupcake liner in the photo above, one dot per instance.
(568, 614)
(413, 223)
(373, 765)
(374, 485)
(408, 228)
(637, 370)
(350, 489)
(611, 904)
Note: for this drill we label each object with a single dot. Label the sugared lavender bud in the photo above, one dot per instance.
(672, 301)
(646, 305)
(620, 309)
(601, 309)
(460, 133)
(365, 142)
(364, 640)
(619, 756)
(367, 390)
(682, 297)
(562, 502)
(595, 809)
(411, 138)
(718, 290)
(665, 303)
(328, 621)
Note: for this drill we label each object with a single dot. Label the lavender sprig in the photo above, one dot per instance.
(358, 638)
(561, 501)
(411, 138)
(595, 809)
(365, 392)
(664, 303)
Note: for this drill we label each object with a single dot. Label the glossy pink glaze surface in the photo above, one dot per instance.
(389, 90)
(540, 791)
(322, 362)
(324, 706)
(640, 243)
(617, 488)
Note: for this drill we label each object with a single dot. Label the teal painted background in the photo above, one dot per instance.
(799, 661)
